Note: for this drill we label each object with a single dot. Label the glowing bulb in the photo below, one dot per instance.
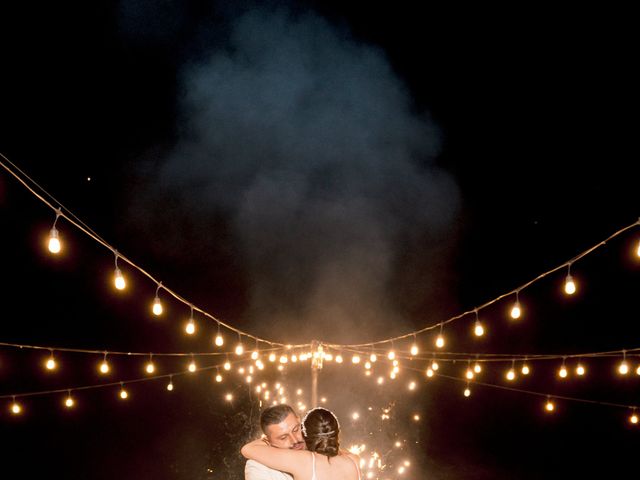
(69, 402)
(123, 394)
(477, 368)
(412, 386)
(150, 368)
(429, 372)
(391, 355)
(355, 359)
(367, 365)
(563, 372)
(638, 370)
(580, 369)
(16, 408)
(516, 311)
(219, 341)
(638, 250)
(416, 418)
(157, 306)
(355, 415)
(469, 374)
(373, 358)
(118, 280)
(414, 350)
(272, 357)
(54, 241)
(549, 406)
(467, 392)
(525, 369)
(380, 380)
(227, 365)
(633, 418)
(239, 349)
(440, 341)
(228, 397)
(435, 366)
(478, 329)
(192, 366)
(338, 358)
(569, 285)
(170, 386)
(190, 328)
(623, 368)
(51, 363)
(254, 355)
(511, 374)
(104, 366)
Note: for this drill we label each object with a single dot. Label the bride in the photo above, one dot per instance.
(323, 461)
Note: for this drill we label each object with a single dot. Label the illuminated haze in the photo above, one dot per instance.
(306, 143)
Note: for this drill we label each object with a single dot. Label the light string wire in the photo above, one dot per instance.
(73, 220)
(131, 354)
(517, 290)
(116, 383)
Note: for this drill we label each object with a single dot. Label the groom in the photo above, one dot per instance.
(281, 427)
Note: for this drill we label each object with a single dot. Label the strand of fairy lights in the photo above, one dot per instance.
(479, 329)
(55, 247)
(516, 310)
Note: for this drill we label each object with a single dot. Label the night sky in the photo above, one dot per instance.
(335, 171)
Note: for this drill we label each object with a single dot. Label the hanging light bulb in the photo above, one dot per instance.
(511, 374)
(51, 363)
(525, 367)
(549, 406)
(54, 244)
(239, 347)
(373, 358)
(633, 418)
(16, 408)
(391, 355)
(414, 348)
(355, 359)
(156, 308)
(434, 365)
(192, 365)
(150, 367)
(69, 400)
(440, 337)
(478, 329)
(227, 364)
(580, 370)
(469, 373)
(562, 373)
(272, 358)
(569, 283)
(477, 368)
(104, 365)
(429, 372)
(123, 393)
(118, 278)
(218, 376)
(623, 368)
(516, 311)
(190, 327)
(170, 384)
(255, 355)
(467, 391)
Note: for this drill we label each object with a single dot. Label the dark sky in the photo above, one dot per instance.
(318, 170)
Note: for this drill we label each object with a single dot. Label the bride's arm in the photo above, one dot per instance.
(283, 459)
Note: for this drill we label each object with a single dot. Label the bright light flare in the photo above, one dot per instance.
(54, 241)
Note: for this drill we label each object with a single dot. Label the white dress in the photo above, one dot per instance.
(313, 474)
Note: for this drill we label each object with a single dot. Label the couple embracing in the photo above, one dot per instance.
(299, 450)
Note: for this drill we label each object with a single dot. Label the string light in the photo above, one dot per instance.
(478, 329)
(150, 367)
(51, 363)
(192, 365)
(104, 365)
(170, 384)
(511, 374)
(118, 278)
(16, 408)
(190, 328)
(580, 370)
(638, 249)
(69, 402)
(467, 391)
(469, 373)
(373, 358)
(54, 240)
(549, 406)
(477, 368)
(562, 373)
(227, 364)
(239, 347)
(355, 359)
(569, 283)
(525, 367)
(440, 338)
(156, 308)
(623, 368)
(218, 376)
(219, 341)
(123, 393)
(633, 418)
(414, 347)
(516, 311)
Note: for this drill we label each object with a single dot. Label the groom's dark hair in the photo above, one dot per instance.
(274, 415)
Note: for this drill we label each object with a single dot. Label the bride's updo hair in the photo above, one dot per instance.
(321, 429)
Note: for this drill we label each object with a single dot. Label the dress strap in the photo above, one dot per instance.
(356, 465)
(313, 461)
